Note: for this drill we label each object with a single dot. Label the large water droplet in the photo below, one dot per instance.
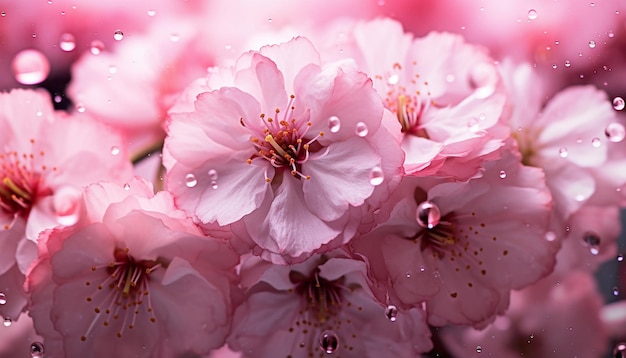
(479, 349)
(30, 67)
(595, 142)
(361, 129)
(391, 312)
(620, 350)
(334, 124)
(67, 42)
(376, 176)
(619, 103)
(563, 152)
(213, 178)
(7, 322)
(127, 187)
(190, 180)
(620, 258)
(428, 214)
(115, 150)
(615, 132)
(592, 44)
(532, 14)
(37, 350)
(502, 174)
(568, 63)
(3, 299)
(592, 240)
(96, 47)
(329, 342)
(118, 35)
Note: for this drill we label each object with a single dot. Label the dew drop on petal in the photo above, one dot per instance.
(563, 152)
(334, 124)
(329, 342)
(80, 108)
(127, 187)
(568, 63)
(615, 132)
(391, 312)
(595, 142)
(502, 174)
(620, 350)
(30, 67)
(3, 14)
(37, 350)
(115, 150)
(96, 47)
(592, 240)
(479, 349)
(213, 178)
(376, 176)
(118, 35)
(151, 12)
(620, 258)
(619, 103)
(361, 129)
(550, 236)
(393, 79)
(592, 44)
(532, 14)
(67, 42)
(3, 299)
(428, 214)
(473, 125)
(7, 322)
(190, 180)
(615, 291)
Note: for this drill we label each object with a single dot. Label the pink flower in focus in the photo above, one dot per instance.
(133, 278)
(461, 247)
(446, 95)
(43, 164)
(284, 150)
(318, 307)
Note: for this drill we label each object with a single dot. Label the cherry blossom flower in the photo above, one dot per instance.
(446, 95)
(132, 277)
(461, 247)
(321, 306)
(42, 168)
(294, 148)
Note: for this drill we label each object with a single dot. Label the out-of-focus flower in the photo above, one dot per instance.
(321, 306)
(132, 277)
(294, 148)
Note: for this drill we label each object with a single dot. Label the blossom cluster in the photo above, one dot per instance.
(355, 185)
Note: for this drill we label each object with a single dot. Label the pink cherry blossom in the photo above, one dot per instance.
(461, 247)
(321, 306)
(42, 168)
(132, 277)
(445, 94)
(293, 148)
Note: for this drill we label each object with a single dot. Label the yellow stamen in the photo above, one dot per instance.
(271, 141)
(16, 189)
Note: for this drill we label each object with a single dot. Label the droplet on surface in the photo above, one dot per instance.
(30, 67)
(563, 152)
(67, 42)
(213, 178)
(96, 47)
(532, 14)
(37, 350)
(428, 214)
(393, 79)
(620, 258)
(620, 350)
(376, 176)
(479, 349)
(151, 12)
(361, 129)
(329, 342)
(595, 142)
(615, 132)
(592, 44)
(334, 124)
(391, 312)
(190, 180)
(7, 322)
(592, 240)
(619, 103)
(615, 291)
(568, 63)
(3, 299)
(127, 187)
(473, 125)
(115, 150)
(3, 14)
(118, 35)
(550, 236)
(502, 174)
(80, 108)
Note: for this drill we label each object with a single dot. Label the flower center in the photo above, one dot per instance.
(284, 142)
(127, 280)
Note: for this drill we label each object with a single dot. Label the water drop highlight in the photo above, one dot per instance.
(118, 35)
(376, 176)
(329, 342)
(615, 132)
(190, 180)
(37, 350)
(428, 214)
(619, 103)
(391, 312)
(67, 42)
(361, 129)
(334, 124)
(30, 67)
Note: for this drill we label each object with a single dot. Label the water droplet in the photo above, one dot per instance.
(3, 14)
(428, 214)
(502, 174)
(115, 150)
(592, 240)
(127, 187)
(7, 322)
(532, 14)
(615, 291)
(611, 34)
(112, 69)
(80, 108)
(96, 47)
(377, 176)
(67, 42)
(563, 152)
(479, 349)
(618, 103)
(620, 258)
(3, 299)
(58, 98)
(37, 350)
(361, 129)
(329, 342)
(30, 67)
(592, 44)
(393, 79)
(550, 236)
(334, 124)
(174, 37)
(568, 63)
(118, 35)
(213, 177)
(190, 180)
(151, 13)
(554, 66)
(615, 132)
(595, 142)
(620, 350)
(391, 312)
